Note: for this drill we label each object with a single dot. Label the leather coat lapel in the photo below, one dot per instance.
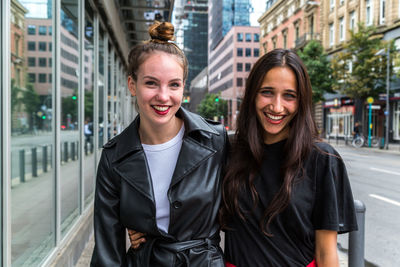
(191, 156)
(133, 169)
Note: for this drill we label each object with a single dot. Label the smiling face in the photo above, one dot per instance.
(277, 103)
(159, 91)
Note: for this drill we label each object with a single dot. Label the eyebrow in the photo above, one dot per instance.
(154, 78)
(272, 88)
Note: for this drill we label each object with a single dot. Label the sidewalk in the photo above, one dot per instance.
(393, 147)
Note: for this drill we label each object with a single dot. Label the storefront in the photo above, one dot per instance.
(396, 116)
(339, 117)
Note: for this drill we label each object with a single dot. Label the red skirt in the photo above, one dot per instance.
(311, 264)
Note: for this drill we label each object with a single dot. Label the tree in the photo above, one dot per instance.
(212, 105)
(318, 68)
(368, 73)
(31, 102)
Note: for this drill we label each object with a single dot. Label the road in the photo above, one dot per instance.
(375, 180)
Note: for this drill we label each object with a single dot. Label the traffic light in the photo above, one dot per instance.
(74, 97)
(43, 117)
(216, 99)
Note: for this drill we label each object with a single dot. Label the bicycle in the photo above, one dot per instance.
(361, 140)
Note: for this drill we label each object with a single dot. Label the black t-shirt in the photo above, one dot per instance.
(322, 199)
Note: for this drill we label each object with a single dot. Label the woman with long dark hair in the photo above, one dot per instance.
(286, 194)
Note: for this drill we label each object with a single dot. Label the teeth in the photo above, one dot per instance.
(272, 117)
(159, 108)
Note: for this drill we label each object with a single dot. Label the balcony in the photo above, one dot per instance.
(305, 38)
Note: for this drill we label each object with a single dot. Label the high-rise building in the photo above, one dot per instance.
(234, 13)
(195, 32)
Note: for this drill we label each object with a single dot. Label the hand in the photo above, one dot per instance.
(136, 238)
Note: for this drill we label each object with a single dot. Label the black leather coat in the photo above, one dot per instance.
(124, 198)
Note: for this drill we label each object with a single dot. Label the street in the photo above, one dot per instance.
(375, 179)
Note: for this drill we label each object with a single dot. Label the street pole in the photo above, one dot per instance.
(387, 98)
(369, 124)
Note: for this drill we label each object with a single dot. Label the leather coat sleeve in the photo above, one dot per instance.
(109, 233)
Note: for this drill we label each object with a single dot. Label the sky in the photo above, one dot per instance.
(259, 8)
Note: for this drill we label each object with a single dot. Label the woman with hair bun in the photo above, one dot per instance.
(161, 176)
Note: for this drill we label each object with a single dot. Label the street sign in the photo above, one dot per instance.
(374, 106)
(370, 100)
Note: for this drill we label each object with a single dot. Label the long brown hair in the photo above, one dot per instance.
(247, 147)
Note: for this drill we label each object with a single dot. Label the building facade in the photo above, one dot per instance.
(338, 17)
(231, 62)
(223, 15)
(62, 64)
(289, 24)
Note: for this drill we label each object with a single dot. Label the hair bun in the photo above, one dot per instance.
(162, 31)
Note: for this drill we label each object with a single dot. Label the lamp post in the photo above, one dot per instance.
(387, 112)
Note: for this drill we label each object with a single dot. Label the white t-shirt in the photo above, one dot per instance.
(162, 159)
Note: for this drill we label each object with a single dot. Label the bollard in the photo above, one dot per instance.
(73, 156)
(65, 152)
(34, 162)
(357, 238)
(44, 158)
(22, 165)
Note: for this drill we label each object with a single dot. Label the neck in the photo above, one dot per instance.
(158, 135)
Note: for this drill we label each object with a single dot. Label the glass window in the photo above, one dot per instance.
(285, 40)
(239, 52)
(239, 66)
(247, 66)
(31, 145)
(256, 52)
(42, 77)
(31, 46)
(331, 35)
(42, 46)
(50, 46)
(50, 62)
(31, 29)
(248, 37)
(42, 30)
(341, 28)
(248, 52)
(256, 37)
(69, 174)
(50, 30)
(239, 82)
(31, 61)
(32, 77)
(89, 162)
(382, 11)
(368, 12)
(42, 62)
(240, 37)
(101, 91)
(352, 20)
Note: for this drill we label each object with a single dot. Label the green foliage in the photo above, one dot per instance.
(15, 97)
(368, 74)
(210, 107)
(318, 68)
(69, 106)
(30, 99)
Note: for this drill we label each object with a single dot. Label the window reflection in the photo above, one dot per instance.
(69, 174)
(88, 63)
(32, 196)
